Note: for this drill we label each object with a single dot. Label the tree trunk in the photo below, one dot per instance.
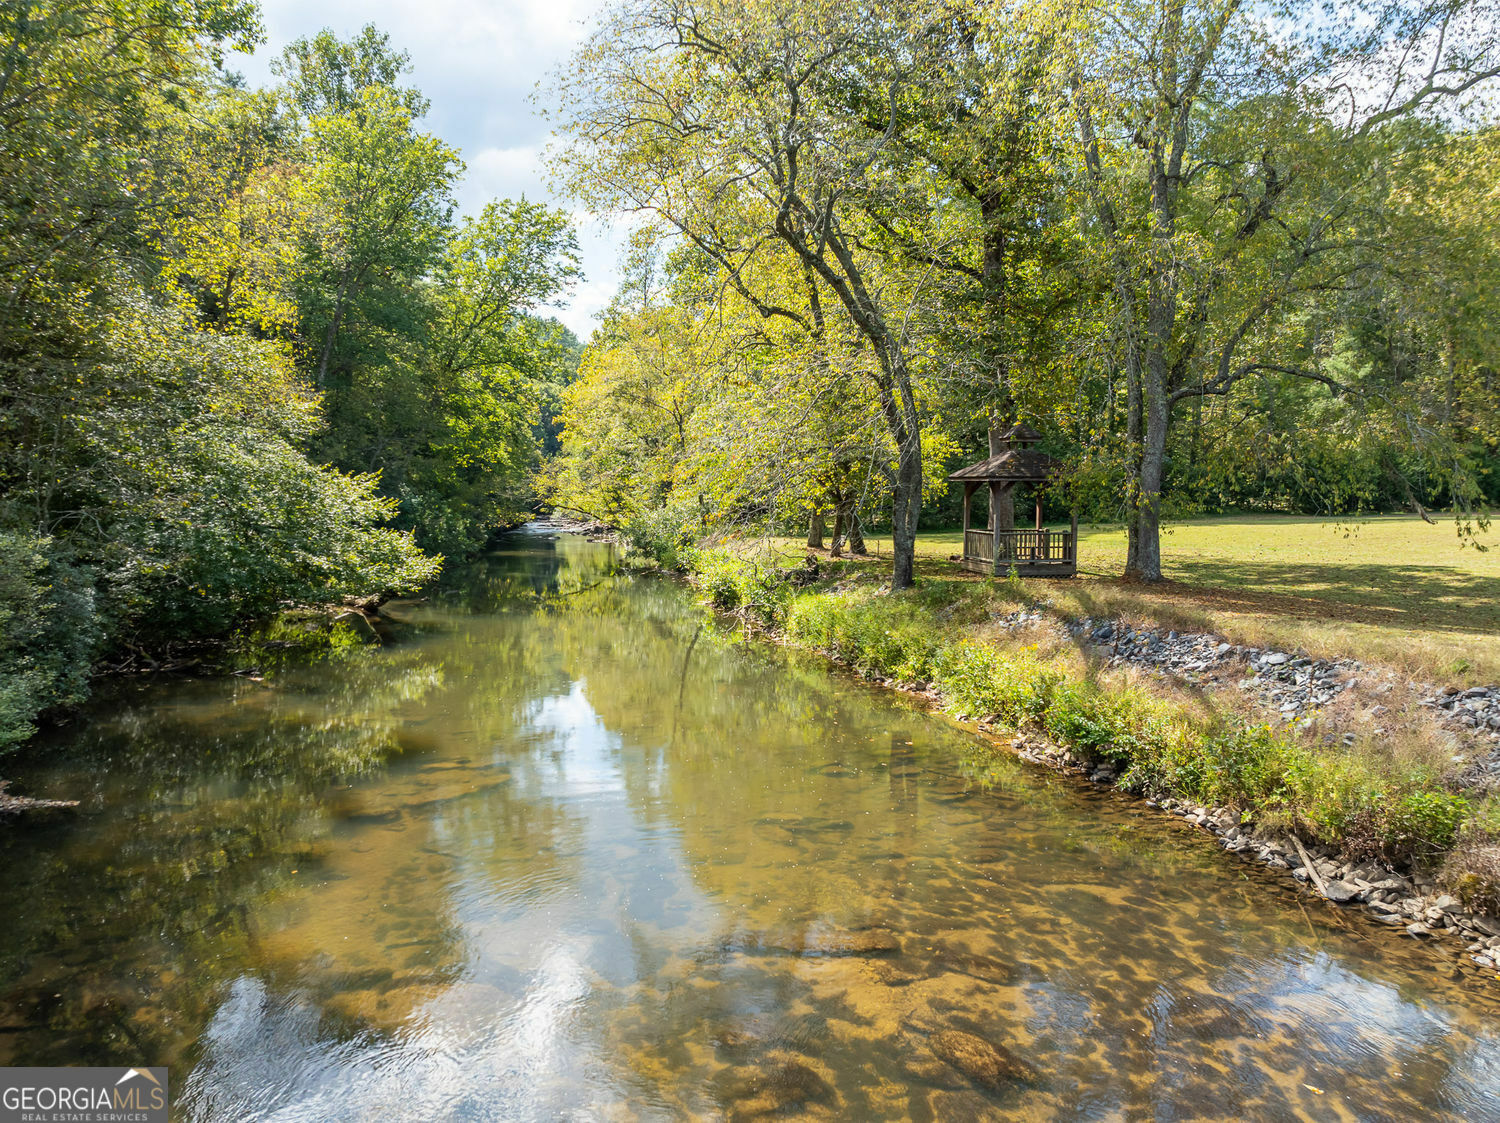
(1145, 564)
(856, 534)
(816, 528)
(1002, 500)
(320, 380)
(1161, 309)
(906, 505)
(836, 549)
(1133, 426)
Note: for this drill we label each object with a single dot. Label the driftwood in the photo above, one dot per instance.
(16, 803)
(1312, 870)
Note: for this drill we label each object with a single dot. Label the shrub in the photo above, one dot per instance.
(983, 681)
(48, 634)
(1423, 825)
(664, 535)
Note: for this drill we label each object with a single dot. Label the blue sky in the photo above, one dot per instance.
(478, 61)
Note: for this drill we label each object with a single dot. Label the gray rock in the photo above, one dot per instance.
(1418, 930)
(1276, 659)
(1341, 892)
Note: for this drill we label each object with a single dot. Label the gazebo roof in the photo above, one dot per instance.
(1014, 465)
(1021, 434)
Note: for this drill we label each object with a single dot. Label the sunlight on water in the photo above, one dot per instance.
(565, 849)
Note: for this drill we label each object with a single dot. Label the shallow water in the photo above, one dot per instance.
(564, 849)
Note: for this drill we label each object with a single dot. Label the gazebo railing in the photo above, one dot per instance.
(1034, 547)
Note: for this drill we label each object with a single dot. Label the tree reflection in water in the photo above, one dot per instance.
(565, 846)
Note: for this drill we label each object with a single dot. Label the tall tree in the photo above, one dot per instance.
(1220, 146)
(725, 123)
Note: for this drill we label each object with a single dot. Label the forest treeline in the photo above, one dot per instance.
(1223, 255)
(250, 354)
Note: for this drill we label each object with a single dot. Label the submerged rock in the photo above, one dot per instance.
(986, 969)
(770, 1090)
(833, 943)
(892, 975)
(990, 1065)
(859, 941)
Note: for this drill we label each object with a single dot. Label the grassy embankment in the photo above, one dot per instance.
(1392, 591)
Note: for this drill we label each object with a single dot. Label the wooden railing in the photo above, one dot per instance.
(1033, 547)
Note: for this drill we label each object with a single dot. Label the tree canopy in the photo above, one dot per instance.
(1218, 252)
(250, 355)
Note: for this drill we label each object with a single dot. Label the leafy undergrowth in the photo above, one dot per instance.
(1362, 798)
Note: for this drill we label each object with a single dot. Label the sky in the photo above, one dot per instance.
(478, 61)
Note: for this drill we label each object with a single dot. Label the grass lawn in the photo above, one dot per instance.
(1392, 589)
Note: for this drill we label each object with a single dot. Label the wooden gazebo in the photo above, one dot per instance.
(997, 550)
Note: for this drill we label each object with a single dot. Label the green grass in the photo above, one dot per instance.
(1389, 589)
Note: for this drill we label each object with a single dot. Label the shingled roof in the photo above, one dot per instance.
(1014, 465)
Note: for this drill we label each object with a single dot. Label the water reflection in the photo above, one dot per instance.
(562, 849)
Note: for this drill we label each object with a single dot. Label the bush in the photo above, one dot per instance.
(985, 682)
(1423, 825)
(663, 535)
(48, 634)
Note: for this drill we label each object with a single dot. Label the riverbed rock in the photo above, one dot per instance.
(987, 1064)
(893, 975)
(946, 960)
(857, 941)
(933, 1072)
(773, 1089)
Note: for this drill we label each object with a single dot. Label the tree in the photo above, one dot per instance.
(385, 193)
(1221, 148)
(725, 124)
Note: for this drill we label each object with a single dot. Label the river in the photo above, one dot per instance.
(565, 848)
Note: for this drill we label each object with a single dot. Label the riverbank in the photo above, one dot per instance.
(1370, 788)
(1387, 589)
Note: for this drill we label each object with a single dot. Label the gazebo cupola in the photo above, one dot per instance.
(997, 550)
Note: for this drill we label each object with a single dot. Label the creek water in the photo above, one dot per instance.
(563, 848)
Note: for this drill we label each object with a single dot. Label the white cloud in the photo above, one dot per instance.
(496, 173)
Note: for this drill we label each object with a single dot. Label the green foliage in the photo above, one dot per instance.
(1423, 824)
(664, 536)
(247, 356)
(49, 633)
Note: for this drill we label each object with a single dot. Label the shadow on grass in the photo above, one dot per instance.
(1431, 598)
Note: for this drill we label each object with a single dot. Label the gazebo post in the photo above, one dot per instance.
(994, 527)
(963, 549)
